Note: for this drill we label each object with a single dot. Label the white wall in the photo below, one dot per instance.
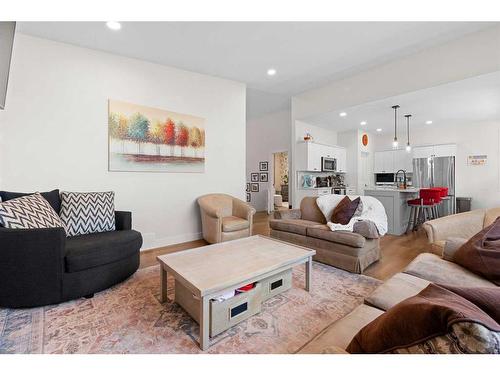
(54, 133)
(265, 135)
(357, 174)
(472, 55)
(482, 183)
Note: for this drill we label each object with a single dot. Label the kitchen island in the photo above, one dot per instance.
(394, 201)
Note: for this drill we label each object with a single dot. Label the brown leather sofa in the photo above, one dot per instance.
(307, 227)
(463, 225)
(225, 218)
(424, 269)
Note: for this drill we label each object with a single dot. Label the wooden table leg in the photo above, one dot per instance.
(204, 323)
(163, 284)
(309, 274)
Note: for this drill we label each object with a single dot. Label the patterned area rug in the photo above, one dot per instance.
(129, 318)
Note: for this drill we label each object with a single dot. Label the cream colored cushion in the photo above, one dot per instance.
(434, 269)
(341, 332)
(398, 288)
(233, 223)
(490, 216)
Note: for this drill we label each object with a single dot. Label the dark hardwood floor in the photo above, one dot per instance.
(397, 251)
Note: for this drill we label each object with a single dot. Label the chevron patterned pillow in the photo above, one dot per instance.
(84, 213)
(29, 212)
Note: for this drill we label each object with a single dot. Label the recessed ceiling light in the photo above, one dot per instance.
(271, 72)
(362, 123)
(342, 114)
(428, 122)
(379, 130)
(113, 25)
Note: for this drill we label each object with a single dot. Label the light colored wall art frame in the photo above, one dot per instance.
(145, 139)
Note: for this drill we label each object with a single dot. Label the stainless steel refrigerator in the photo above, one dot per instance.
(437, 172)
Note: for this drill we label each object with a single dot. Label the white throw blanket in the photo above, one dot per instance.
(373, 211)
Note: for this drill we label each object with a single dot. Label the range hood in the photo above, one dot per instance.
(7, 30)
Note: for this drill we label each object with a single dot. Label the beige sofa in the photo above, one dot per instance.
(424, 269)
(307, 227)
(225, 218)
(463, 225)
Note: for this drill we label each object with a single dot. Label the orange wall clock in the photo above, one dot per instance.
(364, 140)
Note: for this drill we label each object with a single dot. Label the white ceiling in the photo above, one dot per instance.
(305, 54)
(459, 103)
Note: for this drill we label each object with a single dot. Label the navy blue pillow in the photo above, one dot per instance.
(51, 196)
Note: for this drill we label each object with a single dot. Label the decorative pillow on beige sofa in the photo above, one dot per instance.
(436, 320)
(366, 228)
(345, 210)
(481, 254)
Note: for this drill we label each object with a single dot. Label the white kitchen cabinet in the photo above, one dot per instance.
(309, 156)
(403, 160)
(434, 150)
(383, 162)
(392, 160)
(445, 150)
(341, 156)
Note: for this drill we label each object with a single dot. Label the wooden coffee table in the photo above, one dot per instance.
(209, 271)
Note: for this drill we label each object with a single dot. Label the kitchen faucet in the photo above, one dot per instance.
(404, 176)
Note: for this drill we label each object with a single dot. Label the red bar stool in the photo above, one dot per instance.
(444, 195)
(423, 208)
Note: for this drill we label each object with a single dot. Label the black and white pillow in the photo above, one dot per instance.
(29, 212)
(84, 213)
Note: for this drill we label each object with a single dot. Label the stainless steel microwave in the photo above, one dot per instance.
(328, 164)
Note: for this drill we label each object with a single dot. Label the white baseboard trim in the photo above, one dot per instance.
(172, 240)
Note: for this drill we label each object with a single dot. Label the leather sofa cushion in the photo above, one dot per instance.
(396, 289)
(96, 249)
(341, 332)
(297, 226)
(434, 269)
(343, 237)
(233, 224)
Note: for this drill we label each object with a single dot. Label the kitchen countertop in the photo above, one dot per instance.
(393, 189)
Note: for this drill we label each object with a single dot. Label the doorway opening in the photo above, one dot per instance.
(280, 180)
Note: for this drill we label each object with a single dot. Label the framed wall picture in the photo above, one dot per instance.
(248, 187)
(255, 188)
(264, 166)
(263, 177)
(249, 197)
(147, 139)
(254, 177)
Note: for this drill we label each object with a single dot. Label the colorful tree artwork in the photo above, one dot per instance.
(195, 138)
(182, 138)
(138, 129)
(150, 139)
(170, 135)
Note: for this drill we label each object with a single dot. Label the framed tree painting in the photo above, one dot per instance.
(255, 188)
(146, 139)
(254, 177)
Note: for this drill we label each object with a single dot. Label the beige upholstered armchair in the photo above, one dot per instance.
(225, 218)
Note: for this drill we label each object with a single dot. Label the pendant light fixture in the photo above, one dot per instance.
(408, 147)
(395, 142)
